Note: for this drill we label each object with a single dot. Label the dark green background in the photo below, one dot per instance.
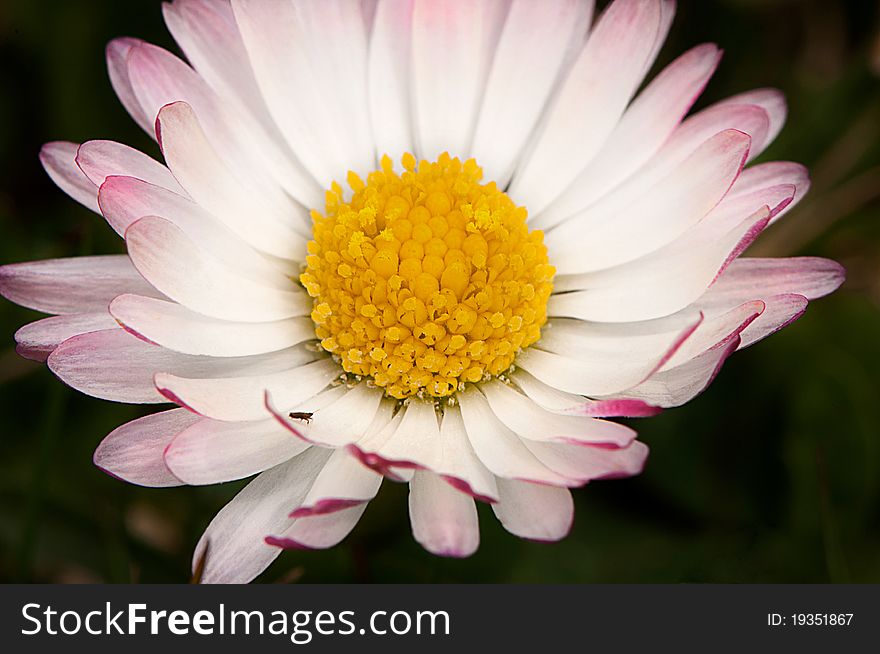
(772, 475)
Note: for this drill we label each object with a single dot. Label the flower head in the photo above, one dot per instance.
(526, 245)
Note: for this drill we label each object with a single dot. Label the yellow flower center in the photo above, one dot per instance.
(426, 280)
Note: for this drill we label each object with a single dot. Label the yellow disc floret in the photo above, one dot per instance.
(426, 280)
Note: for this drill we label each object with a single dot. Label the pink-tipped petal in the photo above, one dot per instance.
(38, 339)
(75, 285)
(318, 532)
(444, 520)
(59, 161)
(237, 551)
(117, 66)
(133, 452)
(534, 511)
(214, 452)
(530, 421)
(591, 99)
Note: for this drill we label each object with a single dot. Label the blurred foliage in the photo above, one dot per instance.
(770, 476)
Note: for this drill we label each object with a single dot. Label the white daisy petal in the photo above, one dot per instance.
(117, 67)
(589, 359)
(59, 161)
(583, 463)
(389, 83)
(100, 159)
(243, 397)
(38, 339)
(236, 549)
(535, 43)
(357, 412)
(746, 278)
(179, 268)
(134, 451)
(498, 448)
(679, 385)
(452, 49)
(660, 283)
(75, 285)
(213, 452)
(530, 421)
(177, 328)
(159, 78)
(115, 365)
(208, 34)
(288, 54)
(418, 442)
(772, 102)
(613, 233)
(591, 100)
(534, 511)
(318, 532)
(559, 401)
(205, 175)
(692, 133)
(343, 483)
(444, 520)
(641, 132)
(124, 200)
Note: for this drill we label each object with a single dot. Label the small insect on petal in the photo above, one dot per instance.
(301, 415)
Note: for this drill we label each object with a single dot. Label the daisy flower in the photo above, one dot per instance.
(431, 241)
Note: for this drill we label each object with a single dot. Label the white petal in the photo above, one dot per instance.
(417, 441)
(38, 339)
(133, 452)
(716, 330)
(772, 175)
(680, 385)
(594, 359)
(213, 452)
(343, 483)
(498, 448)
(115, 365)
(452, 50)
(179, 268)
(319, 532)
(660, 283)
(584, 463)
(641, 132)
(530, 421)
(625, 228)
(444, 520)
(389, 84)
(208, 34)
(177, 328)
(590, 102)
(243, 397)
(237, 551)
(124, 200)
(207, 178)
(74, 285)
(117, 66)
(533, 47)
(290, 50)
(534, 511)
(345, 421)
(780, 311)
(100, 159)
(559, 401)
(771, 101)
(159, 78)
(59, 161)
(750, 278)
